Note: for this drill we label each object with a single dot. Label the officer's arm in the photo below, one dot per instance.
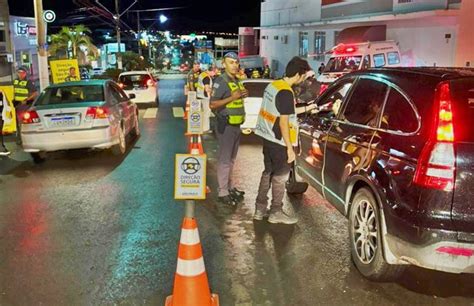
(216, 104)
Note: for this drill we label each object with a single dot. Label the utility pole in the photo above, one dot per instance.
(117, 28)
(138, 33)
(41, 42)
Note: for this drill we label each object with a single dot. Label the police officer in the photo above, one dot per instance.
(3, 105)
(24, 95)
(255, 74)
(266, 72)
(193, 76)
(277, 124)
(72, 77)
(227, 103)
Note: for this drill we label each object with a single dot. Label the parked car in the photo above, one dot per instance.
(97, 71)
(393, 149)
(87, 114)
(142, 84)
(252, 104)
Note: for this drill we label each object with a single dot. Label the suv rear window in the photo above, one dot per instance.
(71, 94)
(131, 81)
(399, 115)
(463, 109)
(255, 89)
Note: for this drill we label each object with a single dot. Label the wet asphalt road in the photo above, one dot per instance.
(86, 228)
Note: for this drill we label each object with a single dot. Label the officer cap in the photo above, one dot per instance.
(231, 55)
(22, 68)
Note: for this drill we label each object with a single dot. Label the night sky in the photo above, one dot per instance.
(214, 15)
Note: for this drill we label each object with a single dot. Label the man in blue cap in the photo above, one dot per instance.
(228, 105)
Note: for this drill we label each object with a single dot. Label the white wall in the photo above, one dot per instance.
(423, 42)
(280, 12)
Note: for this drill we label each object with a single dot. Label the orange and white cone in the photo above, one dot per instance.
(186, 110)
(191, 286)
(196, 148)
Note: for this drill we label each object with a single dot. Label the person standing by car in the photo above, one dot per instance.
(193, 76)
(24, 94)
(277, 124)
(3, 104)
(227, 103)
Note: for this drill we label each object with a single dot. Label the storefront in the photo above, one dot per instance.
(24, 49)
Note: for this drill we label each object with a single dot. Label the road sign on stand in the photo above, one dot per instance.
(49, 16)
(195, 115)
(190, 177)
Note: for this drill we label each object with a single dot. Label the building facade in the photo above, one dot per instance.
(6, 57)
(429, 32)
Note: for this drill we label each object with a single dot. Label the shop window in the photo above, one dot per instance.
(319, 45)
(304, 44)
(2, 36)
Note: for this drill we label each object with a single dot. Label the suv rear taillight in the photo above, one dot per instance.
(30, 117)
(323, 88)
(150, 83)
(97, 113)
(436, 166)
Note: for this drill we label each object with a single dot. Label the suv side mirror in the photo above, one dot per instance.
(132, 96)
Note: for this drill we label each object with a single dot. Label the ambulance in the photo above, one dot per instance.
(346, 58)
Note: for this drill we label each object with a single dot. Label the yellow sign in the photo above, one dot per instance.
(65, 71)
(8, 115)
(190, 177)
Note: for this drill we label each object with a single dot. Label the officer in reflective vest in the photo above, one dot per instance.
(228, 105)
(193, 75)
(277, 124)
(24, 95)
(255, 74)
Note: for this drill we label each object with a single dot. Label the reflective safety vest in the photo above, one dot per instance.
(267, 118)
(194, 81)
(21, 91)
(266, 73)
(235, 109)
(255, 74)
(200, 86)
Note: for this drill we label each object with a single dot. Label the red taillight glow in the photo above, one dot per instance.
(456, 251)
(150, 83)
(323, 88)
(436, 166)
(97, 113)
(121, 85)
(29, 117)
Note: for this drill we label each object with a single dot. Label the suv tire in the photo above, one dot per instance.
(365, 239)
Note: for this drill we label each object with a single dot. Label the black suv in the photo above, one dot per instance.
(393, 150)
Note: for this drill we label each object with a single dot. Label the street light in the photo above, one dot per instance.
(163, 18)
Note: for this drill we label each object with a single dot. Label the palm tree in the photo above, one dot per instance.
(72, 43)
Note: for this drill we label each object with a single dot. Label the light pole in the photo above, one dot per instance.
(41, 42)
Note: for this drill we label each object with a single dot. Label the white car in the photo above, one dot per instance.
(252, 104)
(142, 84)
(93, 114)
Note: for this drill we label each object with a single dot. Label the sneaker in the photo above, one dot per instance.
(4, 151)
(259, 215)
(281, 217)
(237, 194)
(228, 200)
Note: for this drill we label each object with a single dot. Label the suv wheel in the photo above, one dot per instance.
(365, 239)
(293, 186)
(38, 158)
(136, 126)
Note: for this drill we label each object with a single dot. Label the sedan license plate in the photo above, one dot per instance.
(63, 121)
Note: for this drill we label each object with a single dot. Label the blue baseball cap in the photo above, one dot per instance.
(231, 55)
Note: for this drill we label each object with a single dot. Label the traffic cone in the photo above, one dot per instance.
(186, 110)
(191, 286)
(195, 148)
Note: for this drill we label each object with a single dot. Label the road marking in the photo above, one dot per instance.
(178, 112)
(150, 113)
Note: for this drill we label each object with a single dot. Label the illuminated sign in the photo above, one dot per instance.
(24, 29)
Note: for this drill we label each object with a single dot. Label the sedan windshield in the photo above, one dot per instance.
(71, 94)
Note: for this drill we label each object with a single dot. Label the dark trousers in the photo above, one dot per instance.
(1, 128)
(229, 141)
(274, 176)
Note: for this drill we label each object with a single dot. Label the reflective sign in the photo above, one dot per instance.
(190, 177)
(195, 115)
